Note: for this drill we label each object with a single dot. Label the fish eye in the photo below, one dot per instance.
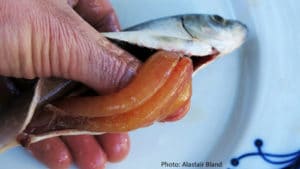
(218, 19)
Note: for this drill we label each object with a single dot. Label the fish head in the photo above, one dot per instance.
(224, 35)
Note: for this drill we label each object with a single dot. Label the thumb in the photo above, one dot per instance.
(47, 38)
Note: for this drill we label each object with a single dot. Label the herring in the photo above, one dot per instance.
(193, 34)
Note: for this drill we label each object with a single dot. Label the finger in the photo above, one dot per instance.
(98, 13)
(86, 151)
(52, 152)
(116, 146)
(54, 41)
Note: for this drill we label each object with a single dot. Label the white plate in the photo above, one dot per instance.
(252, 93)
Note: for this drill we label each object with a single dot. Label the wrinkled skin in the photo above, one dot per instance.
(48, 38)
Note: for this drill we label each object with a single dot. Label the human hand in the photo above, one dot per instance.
(48, 38)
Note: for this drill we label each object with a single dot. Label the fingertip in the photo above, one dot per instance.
(86, 151)
(115, 145)
(98, 13)
(52, 152)
(109, 23)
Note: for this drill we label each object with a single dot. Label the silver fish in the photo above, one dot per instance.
(194, 34)
(204, 36)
